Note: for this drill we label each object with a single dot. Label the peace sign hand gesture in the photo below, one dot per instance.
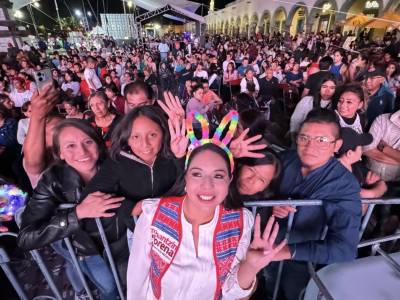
(179, 141)
(262, 250)
(241, 147)
(172, 107)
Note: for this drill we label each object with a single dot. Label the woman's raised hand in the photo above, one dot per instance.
(179, 140)
(96, 205)
(263, 250)
(172, 107)
(243, 147)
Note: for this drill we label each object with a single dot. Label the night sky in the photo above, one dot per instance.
(67, 7)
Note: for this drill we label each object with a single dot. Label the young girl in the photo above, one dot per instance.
(196, 245)
(144, 159)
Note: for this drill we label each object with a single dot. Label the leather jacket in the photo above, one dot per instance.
(43, 222)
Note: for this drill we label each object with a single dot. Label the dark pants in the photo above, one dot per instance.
(294, 279)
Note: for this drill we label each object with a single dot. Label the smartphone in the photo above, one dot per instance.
(42, 77)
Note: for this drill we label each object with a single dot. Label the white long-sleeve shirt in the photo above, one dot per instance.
(188, 277)
(301, 111)
(243, 85)
(23, 125)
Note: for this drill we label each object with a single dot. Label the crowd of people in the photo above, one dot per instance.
(181, 135)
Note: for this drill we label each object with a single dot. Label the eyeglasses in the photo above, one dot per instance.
(322, 142)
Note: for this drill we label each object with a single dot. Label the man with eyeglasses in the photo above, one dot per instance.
(312, 172)
(380, 100)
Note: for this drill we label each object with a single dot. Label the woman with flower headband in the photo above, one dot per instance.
(196, 245)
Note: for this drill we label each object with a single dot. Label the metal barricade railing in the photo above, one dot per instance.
(271, 203)
(375, 243)
(4, 264)
(253, 205)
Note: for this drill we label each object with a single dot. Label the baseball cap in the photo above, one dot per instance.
(378, 71)
(352, 139)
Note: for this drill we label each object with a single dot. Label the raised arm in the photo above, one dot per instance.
(35, 141)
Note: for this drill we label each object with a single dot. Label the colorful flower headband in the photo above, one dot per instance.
(232, 117)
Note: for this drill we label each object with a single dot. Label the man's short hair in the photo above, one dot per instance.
(325, 63)
(203, 80)
(138, 87)
(91, 59)
(323, 116)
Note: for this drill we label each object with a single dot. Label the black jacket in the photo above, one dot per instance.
(130, 177)
(43, 222)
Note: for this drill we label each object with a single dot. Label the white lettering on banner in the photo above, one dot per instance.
(163, 244)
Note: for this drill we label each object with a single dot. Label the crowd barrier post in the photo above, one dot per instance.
(110, 258)
(321, 287)
(289, 202)
(375, 243)
(280, 268)
(4, 261)
(365, 220)
(39, 260)
(43, 268)
(395, 266)
(251, 204)
(78, 267)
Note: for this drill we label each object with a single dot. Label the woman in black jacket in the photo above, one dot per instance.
(78, 150)
(145, 161)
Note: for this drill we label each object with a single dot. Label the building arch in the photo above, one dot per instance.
(244, 27)
(265, 22)
(356, 6)
(322, 16)
(297, 18)
(253, 25)
(226, 27)
(237, 25)
(232, 26)
(279, 19)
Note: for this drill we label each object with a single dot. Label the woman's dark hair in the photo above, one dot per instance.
(270, 158)
(343, 54)
(233, 66)
(122, 131)
(112, 87)
(72, 101)
(25, 106)
(254, 120)
(4, 112)
(350, 88)
(232, 200)
(83, 126)
(197, 87)
(73, 76)
(317, 94)
(396, 68)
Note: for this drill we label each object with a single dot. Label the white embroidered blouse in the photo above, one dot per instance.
(188, 277)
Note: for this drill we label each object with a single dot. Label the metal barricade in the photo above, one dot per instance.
(4, 264)
(253, 205)
(295, 203)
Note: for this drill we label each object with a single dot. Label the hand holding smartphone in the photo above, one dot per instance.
(42, 78)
